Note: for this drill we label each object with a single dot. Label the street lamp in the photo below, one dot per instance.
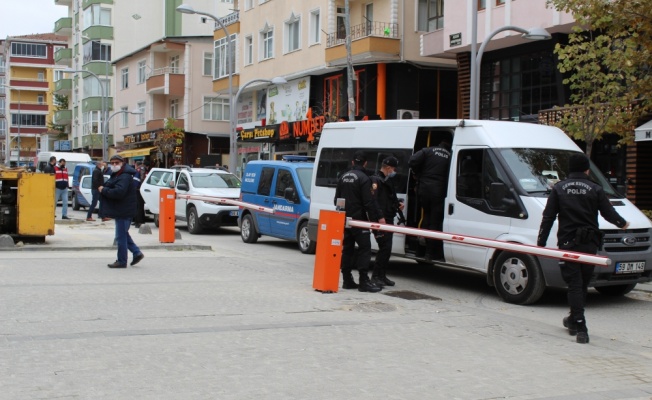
(105, 126)
(104, 106)
(476, 61)
(233, 144)
(8, 140)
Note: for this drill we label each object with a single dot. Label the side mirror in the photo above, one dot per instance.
(183, 187)
(290, 195)
(497, 192)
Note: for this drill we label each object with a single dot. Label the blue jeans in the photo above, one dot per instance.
(124, 240)
(63, 195)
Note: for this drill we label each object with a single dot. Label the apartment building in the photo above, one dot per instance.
(26, 98)
(303, 42)
(137, 56)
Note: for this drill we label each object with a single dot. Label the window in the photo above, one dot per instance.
(249, 50)
(3, 105)
(482, 4)
(58, 74)
(124, 121)
(340, 28)
(174, 108)
(221, 69)
(28, 50)
(92, 87)
(142, 74)
(284, 180)
(369, 18)
(216, 109)
(267, 43)
(431, 15)
(265, 183)
(208, 63)
(174, 64)
(40, 99)
(96, 15)
(3, 126)
(315, 27)
(96, 51)
(28, 120)
(140, 120)
(248, 4)
(124, 82)
(91, 123)
(292, 33)
(500, 2)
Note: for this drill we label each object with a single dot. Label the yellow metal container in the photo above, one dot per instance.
(34, 201)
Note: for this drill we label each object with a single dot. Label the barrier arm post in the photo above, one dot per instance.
(329, 251)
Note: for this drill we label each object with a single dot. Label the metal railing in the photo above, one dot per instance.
(165, 70)
(231, 18)
(367, 29)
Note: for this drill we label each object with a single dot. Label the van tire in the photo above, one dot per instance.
(248, 229)
(616, 290)
(518, 278)
(194, 226)
(306, 245)
(75, 203)
(156, 220)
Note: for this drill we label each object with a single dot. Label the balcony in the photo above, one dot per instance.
(101, 68)
(29, 84)
(98, 32)
(166, 81)
(63, 2)
(156, 124)
(371, 41)
(63, 26)
(95, 104)
(62, 117)
(63, 57)
(95, 140)
(63, 87)
(29, 106)
(87, 3)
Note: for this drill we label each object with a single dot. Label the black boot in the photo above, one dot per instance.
(376, 279)
(582, 332)
(570, 324)
(348, 282)
(366, 285)
(386, 281)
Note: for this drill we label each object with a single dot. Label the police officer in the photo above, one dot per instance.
(577, 200)
(355, 187)
(388, 204)
(431, 165)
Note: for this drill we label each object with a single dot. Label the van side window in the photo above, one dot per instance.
(469, 175)
(283, 181)
(159, 178)
(265, 183)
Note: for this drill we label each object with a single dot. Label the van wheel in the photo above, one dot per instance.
(248, 229)
(193, 222)
(518, 278)
(75, 203)
(156, 220)
(306, 245)
(617, 290)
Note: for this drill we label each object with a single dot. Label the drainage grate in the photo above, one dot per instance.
(410, 295)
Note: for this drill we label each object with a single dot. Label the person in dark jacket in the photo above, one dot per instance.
(49, 169)
(354, 186)
(119, 203)
(577, 201)
(431, 166)
(142, 170)
(388, 204)
(97, 180)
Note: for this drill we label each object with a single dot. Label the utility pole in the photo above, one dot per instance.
(349, 62)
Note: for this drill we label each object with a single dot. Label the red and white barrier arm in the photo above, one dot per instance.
(219, 200)
(476, 241)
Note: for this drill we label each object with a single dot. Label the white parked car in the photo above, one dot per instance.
(199, 215)
(85, 190)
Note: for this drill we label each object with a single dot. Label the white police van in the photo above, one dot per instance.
(500, 177)
(285, 187)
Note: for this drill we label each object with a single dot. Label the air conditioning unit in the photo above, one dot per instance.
(407, 114)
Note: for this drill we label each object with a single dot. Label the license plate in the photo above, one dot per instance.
(630, 267)
(234, 213)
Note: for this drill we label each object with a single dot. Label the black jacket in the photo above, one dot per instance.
(355, 187)
(49, 169)
(119, 194)
(384, 194)
(97, 179)
(577, 200)
(431, 165)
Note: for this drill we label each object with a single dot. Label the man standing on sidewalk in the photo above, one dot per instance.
(61, 187)
(577, 200)
(97, 180)
(119, 202)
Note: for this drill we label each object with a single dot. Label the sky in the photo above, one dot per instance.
(24, 17)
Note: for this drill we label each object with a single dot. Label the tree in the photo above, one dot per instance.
(61, 103)
(169, 139)
(606, 67)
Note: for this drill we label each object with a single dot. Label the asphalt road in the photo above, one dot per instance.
(241, 321)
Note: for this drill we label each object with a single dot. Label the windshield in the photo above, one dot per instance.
(214, 180)
(537, 170)
(305, 177)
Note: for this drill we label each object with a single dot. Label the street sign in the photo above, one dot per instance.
(455, 39)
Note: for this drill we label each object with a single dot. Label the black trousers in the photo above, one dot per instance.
(433, 219)
(384, 253)
(577, 276)
(140, 209)
(353, 236)
(96, 198)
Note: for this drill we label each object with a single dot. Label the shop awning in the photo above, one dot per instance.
(136, 152)
(644, 132)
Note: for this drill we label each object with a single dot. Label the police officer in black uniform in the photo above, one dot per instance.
(388, 205)
(431, 165)
(577, 201)
(355, 187)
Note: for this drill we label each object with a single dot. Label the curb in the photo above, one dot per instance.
(176, 247)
